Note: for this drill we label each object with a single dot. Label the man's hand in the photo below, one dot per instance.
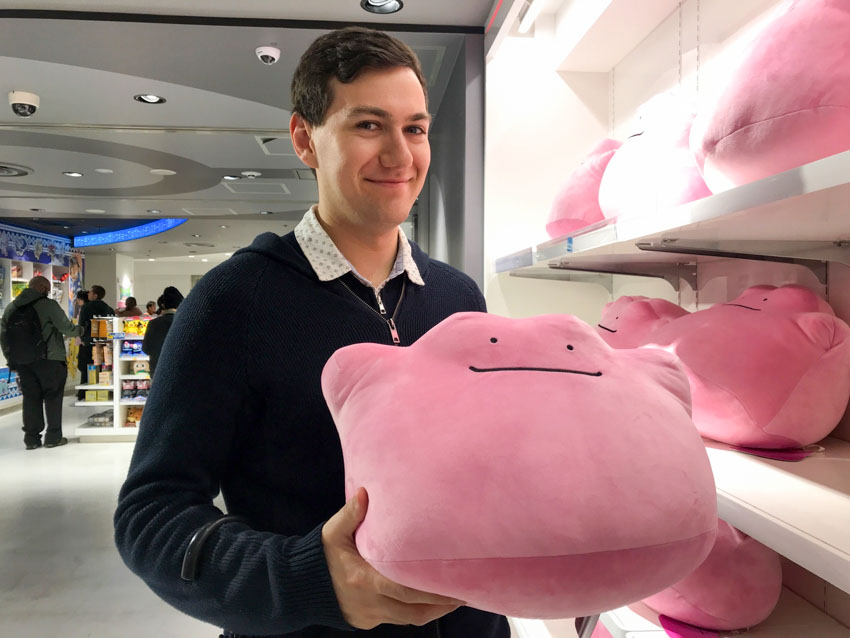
(366, 598)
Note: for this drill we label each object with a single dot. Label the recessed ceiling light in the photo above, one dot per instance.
(382, 6)
(196, 236)
(66, 227)
(84, 232)
(205, 260)
(154, 211)
(191, 256)
(104, 171)
(36, 210)
(151, 259)
(112, 250)
(227, 254)
(72, 174)
(224, 226)
(266, 212)
(231, 178)
(251, 174)
(94, 210)
(162, 171)
(149, 98)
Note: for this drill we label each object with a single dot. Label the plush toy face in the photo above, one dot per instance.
(786, 105)
(577, 203)
(652, 171)
(736, 587)
(763, 375)
(502, 457)
(628, 321)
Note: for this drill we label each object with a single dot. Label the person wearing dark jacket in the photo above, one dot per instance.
(42, 382)
(237, 404)
(158, 328)
(95, 307)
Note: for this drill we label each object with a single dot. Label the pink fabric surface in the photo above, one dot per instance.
(736, 587)
(653, 171)
(676, 629)
(628, 321)
(789, 101)
(577, 203)
(523, 488)
(766, 370)
(600, 631)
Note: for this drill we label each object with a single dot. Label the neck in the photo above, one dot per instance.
(371, 253)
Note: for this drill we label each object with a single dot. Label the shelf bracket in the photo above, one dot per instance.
(812, 255)
(559, 274)
(673, 274)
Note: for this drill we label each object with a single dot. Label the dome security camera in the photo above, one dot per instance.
(268, 55)
(23, 104)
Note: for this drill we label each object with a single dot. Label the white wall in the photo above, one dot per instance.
(101, 270)
(151, 277)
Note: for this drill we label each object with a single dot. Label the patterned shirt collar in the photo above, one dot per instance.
(329, 263)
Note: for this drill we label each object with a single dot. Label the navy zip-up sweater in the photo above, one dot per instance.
(237, 406)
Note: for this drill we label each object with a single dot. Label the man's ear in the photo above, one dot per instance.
(301, 133)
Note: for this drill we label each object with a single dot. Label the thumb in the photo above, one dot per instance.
(354, 511)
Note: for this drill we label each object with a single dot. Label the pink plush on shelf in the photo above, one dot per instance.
(577, 203)
(654, 170)
(523, 465)
(788, 103)
(628, 321)
(736, 587)
(770, 369)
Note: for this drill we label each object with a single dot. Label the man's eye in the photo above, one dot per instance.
(369, 126)
(417, 130)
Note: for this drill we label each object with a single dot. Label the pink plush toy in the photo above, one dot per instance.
(736, 587)
(628, 321)
(522, 465)
(770, 369)
(788, 103)
(577, 203)
(655, 170)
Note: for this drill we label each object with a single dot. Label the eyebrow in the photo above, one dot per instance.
(358, 111)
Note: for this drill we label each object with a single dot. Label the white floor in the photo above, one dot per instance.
(60, 574)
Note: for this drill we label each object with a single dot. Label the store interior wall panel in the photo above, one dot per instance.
(518, 297)
(101, 269)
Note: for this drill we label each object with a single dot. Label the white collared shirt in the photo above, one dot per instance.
(329, 263)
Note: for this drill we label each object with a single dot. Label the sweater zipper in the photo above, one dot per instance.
(382, 311)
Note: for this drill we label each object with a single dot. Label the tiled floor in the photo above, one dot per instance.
(60, 574)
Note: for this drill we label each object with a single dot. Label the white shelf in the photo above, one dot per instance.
(130, 402)
(88, 404)
(106, 434)
(792, 618)
(800, 509)
(135, 358)
(595, 36)
(94, 386)
(797, 214)
(133, 377)
(18, 280)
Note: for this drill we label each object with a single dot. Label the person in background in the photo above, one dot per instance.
(237, 405)
(159, 302)
(150, 308)
(42, 380)
(158, 328)
(131, 309)
(95, 307)
(79, 301)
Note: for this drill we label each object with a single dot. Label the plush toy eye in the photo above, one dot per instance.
(494, 340)
(570, 348)
(765, 299)
(615, 318)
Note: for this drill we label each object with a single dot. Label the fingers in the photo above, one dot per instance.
(411, 596)
(398, 613)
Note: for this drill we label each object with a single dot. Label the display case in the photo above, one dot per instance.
(585, 68)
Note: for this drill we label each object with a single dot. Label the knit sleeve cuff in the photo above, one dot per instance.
(310, 592)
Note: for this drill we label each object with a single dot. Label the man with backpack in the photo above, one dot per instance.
(31, 338)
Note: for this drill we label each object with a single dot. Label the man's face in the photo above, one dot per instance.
(92, 296)
(372, 151)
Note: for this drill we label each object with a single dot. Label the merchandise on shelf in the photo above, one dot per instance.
(100, 420)
(135, 390)
(135, 327)
(141, 367)
(131, 348)
(17, 271)
(134, 415)
(17, 288)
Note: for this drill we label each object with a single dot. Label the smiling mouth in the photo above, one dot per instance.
(589, 374)
(599, 325)
(743, 306)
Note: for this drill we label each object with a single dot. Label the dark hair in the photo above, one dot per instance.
(83, 295)
(99, 291)
(149, 304)
(130, 303)
(343, 54)
(171, 297)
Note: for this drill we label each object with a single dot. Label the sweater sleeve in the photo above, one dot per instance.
(200, 406)
(59, 320)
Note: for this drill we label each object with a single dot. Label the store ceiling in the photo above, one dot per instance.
(226, 113)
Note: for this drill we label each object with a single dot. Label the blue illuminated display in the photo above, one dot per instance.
(128, 234)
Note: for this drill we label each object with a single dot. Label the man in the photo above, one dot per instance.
(158, 328)
(237, 404)
(95, 307)
(150, 308)
(34, 346)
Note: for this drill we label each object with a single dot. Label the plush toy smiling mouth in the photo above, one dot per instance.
(589, 374)
(743, 306)
(599, 325)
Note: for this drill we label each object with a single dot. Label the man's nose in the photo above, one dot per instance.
(396, 152)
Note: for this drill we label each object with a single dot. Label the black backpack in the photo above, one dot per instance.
(23, 334)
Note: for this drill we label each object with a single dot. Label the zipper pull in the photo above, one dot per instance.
(394, 332)
(380, 304)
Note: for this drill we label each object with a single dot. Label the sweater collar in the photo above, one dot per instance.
(329, 263)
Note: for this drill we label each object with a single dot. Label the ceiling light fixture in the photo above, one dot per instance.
(162, 171)
(72, 174)
(205, 260)
(191, 256)
(532, 11)
(151, 259)
(154, 211)
(231, 178)
(382, 7)
(149, 98)
(95, 210)
(227, 254)
(251, 174)
(104, 171)
(224, 226)
(196, 236)
(266, 212)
